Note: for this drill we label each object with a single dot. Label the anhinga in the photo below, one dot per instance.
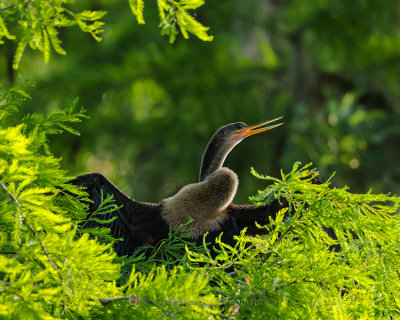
(208, 202)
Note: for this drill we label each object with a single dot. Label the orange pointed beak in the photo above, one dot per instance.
(254, 129)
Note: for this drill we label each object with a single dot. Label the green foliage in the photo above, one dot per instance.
(292, 274)
(106, 206)
(174, 13)
(183, 295)
(54, 122)
(45, 270)
(10, 101)
(50, 268)
(169, 252)
(37, 23)
(137, 7)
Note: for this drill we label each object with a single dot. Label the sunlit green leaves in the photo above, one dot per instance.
(46, 271)
(188, 24)
(54, 123)
(37, 23)
(294, 272)
(137, 9)
(367, 230)
(88, 21)
(4, 33)
(174, 14)
(176, 294)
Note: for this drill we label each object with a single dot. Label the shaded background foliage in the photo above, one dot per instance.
(330, 67)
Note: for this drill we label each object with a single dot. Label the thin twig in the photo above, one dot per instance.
(7, 252)
(4, 230)
(106, 301)
(16, 201)
(33, 10)
(45, 250)
(7, 8)
(223, 316)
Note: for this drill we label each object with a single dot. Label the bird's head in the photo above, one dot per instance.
(239, 130)
(225, 139)
(231, 134)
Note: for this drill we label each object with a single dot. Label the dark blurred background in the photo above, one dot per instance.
(332, 68)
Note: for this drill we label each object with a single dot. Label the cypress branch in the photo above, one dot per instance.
(22, 220)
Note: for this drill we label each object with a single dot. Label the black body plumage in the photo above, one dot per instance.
(141, 223)
(138, 223)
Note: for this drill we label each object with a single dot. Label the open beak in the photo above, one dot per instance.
(254, 129)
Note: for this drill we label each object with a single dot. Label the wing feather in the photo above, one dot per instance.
(138, 223)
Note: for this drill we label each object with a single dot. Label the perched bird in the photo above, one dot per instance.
(208, 202)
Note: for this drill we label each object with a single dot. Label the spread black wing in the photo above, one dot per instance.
(246, 216)
(138, 223)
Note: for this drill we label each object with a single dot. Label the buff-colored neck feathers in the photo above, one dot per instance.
(206, 202)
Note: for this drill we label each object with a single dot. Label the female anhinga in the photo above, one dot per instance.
(208, 202)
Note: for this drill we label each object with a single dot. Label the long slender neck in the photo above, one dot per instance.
(214, 156)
